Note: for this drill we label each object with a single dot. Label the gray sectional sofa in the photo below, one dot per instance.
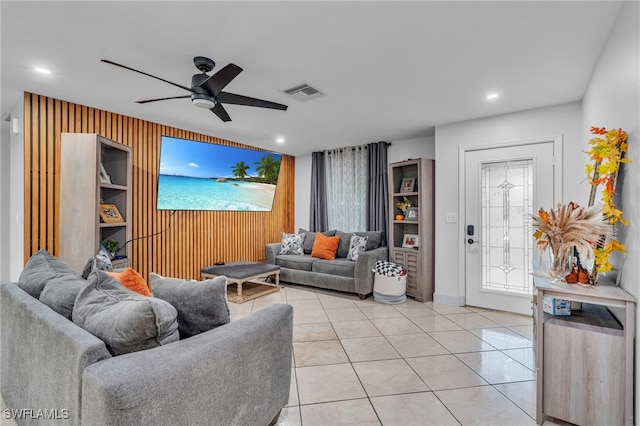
(236, 374)
(339, 274)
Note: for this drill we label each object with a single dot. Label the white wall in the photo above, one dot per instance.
(399, 150)
(612, 100)
(12, 193)
(564, 120)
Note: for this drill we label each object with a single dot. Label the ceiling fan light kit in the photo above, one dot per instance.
(206, 91)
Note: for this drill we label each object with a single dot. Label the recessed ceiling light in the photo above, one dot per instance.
(42, 70)
(280, 140)
(492, 96)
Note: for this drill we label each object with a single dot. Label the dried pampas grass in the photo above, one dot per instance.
(569, 226)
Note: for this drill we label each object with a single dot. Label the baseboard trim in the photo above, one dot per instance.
(445, 299)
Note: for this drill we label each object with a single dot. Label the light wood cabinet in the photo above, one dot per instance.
(417, 261)
(82, 191)
(584, 361)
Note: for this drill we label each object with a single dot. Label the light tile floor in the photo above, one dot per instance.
(358, 362)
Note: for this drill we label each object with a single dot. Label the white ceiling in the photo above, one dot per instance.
(390, 70)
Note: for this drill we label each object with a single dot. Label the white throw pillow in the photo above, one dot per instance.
(292, 244)
(356, 246)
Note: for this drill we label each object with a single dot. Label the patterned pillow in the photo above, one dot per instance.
(292, 244)
(356, 246)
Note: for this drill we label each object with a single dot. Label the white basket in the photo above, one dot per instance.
(390, 290)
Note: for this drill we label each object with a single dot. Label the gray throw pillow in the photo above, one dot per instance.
(374, 239)
(310, 238)
(343, 247)
(60, 293)
(125, 320)
(41, 268)
(99, 262)
(201, 305)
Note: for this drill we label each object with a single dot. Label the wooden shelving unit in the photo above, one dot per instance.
(82, 191)
(417, 261)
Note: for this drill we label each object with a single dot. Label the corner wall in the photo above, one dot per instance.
(612, 100)
(551, 121)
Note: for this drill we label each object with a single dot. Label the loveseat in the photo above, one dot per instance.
(56, 372)
(342, 274)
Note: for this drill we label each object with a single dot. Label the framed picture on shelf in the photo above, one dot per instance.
(412, 213)
(407, 185)
(104, 177)
(410, 241)
(109, 213)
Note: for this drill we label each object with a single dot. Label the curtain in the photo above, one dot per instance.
(347, 175)
(378, 189)
(318, 212)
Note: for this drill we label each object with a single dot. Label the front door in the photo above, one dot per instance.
(503, 188)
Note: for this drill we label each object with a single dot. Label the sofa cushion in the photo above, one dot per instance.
(325, 247)
(132, 280)
(299, 263)
(201, 305)
(310, 238)
(125, 320)
(345, 240)
(60, 293)
(374, 239)
(357, 245)
(340, 267)
(292, 244)
(41, 268)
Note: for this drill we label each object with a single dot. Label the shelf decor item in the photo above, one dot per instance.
(404, 204)
(567, 228)
(411, 214)
(109, 213)
(407, 185)
(411, 241)
(112, 246)
(607, 154)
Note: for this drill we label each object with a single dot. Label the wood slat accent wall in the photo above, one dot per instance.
(186, 240)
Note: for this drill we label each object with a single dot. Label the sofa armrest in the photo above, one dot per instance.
(236, 374)
(365, 263)
(43, 355)
(272, 250)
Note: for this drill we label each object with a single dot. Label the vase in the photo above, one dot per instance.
(560, 264)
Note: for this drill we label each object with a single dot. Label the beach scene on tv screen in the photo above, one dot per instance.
(206, 176)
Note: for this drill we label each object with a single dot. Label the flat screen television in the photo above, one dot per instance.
(206, 176)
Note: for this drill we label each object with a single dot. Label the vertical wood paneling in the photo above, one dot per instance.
(186, 240)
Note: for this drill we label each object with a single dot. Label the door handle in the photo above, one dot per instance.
(471, 241)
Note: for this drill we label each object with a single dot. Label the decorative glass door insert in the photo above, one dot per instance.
(506, 203)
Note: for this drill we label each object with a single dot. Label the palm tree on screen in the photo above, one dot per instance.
(268, 168)
(240, 170)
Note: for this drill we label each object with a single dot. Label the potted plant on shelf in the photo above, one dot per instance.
(112, 246)
(403, 205)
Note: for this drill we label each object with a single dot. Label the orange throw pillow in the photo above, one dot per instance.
(132, 280)
(325, 247)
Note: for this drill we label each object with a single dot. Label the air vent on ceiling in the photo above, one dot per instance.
(303, 92)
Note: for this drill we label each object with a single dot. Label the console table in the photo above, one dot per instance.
(584, 362)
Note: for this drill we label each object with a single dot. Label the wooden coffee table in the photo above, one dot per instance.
(245, 276)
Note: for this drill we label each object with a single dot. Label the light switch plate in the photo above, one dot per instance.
(451, 218)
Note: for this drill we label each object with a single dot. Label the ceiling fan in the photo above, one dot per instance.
(206, 90)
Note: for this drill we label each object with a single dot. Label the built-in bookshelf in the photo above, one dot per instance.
(411, 239)
(95, 196)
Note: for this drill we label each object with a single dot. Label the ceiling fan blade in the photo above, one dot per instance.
(147, 74)
(214, 84)
(163, 99)
(232, 98)
(221, 112)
